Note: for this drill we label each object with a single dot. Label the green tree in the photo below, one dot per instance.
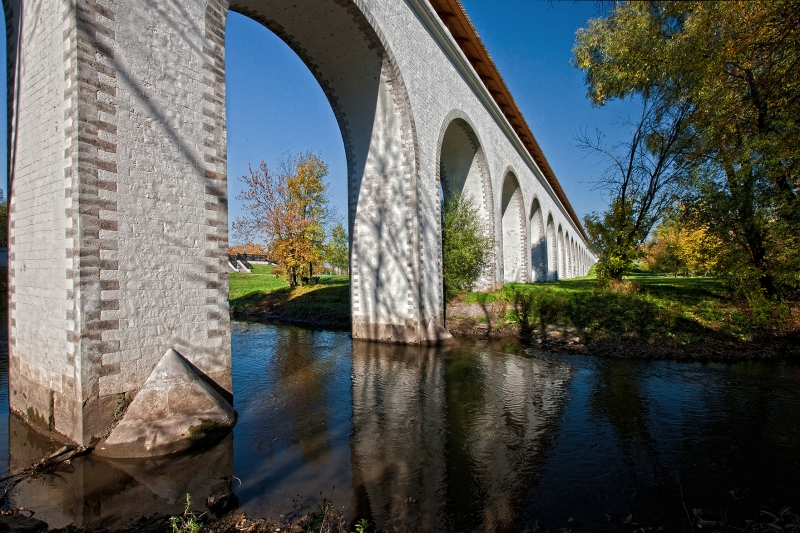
(466, 246)
(339, 248)
(736, 64)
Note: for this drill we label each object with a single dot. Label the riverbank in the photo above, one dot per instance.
(261, 295)
(646, 316)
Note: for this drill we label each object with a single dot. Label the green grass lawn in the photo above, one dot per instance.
(262, 294)
(646, 307)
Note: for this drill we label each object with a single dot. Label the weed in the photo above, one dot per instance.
(361, 526)
(188, 521)
(323, 518)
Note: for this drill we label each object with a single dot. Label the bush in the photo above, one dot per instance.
(466, 245)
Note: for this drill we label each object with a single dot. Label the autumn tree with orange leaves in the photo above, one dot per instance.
(289, 209)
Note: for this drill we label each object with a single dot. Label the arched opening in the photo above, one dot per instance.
(571, 257)
(357, 73)
(552, 249)
(135, 208)
(538, 244)
(562, 268)
(463, 170)
(568, 256)
(514, 236)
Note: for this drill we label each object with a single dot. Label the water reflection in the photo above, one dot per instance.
(109, 493)
(501, 411)
(399, 436)
(449, 441)
(464, 438)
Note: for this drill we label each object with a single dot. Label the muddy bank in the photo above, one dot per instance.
(288, 316)
(234, 522)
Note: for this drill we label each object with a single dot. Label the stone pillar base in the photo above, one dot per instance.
(412, 332)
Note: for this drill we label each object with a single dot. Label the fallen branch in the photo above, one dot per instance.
(60, 457)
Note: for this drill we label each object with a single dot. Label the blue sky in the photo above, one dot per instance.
(275, 105)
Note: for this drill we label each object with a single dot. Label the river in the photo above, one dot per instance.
(468, 437)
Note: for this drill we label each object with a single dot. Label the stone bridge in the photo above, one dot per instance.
(118, 192)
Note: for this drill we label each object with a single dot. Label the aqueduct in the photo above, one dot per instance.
(118, 195)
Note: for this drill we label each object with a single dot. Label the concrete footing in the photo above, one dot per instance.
(173, 411)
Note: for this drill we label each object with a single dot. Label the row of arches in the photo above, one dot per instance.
(532, 247)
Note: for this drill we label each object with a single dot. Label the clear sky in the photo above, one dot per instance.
(275, 105)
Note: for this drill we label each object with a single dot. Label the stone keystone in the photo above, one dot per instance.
(173, 411)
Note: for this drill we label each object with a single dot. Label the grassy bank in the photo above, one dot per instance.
(662, 316)
(662, 313)
(262, 295)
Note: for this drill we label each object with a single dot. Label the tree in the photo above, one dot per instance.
(736, 64)
(248, 248)
(339, 248)
(680, 246)
(466, 246)
(290, 210)
(643, 179)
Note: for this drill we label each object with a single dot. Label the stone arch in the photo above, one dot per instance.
(561, 260)
(538, 243)
(575, 259)
(365, 88)
(513, 229)
(462, 168)
(567, 255)
(133, 191)
(552, 249)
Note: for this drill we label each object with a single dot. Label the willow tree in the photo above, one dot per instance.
(737, 64)
(289, 210)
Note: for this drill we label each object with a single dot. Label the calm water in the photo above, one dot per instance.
(472, 437)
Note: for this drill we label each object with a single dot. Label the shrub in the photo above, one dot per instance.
(466, 245)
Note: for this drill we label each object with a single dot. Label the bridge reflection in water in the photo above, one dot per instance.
(465, 438)
(449, 441)
(412, 438)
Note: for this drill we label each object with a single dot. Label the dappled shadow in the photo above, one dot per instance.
(326, 304)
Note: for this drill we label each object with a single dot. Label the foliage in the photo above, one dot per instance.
(248, 248)
(338, 248)
(466, 245)
(326, 517)
(188, 521)
(290, 210)
(678, 247)
(734, 65)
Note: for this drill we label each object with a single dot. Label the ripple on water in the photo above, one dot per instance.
(468, 437)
